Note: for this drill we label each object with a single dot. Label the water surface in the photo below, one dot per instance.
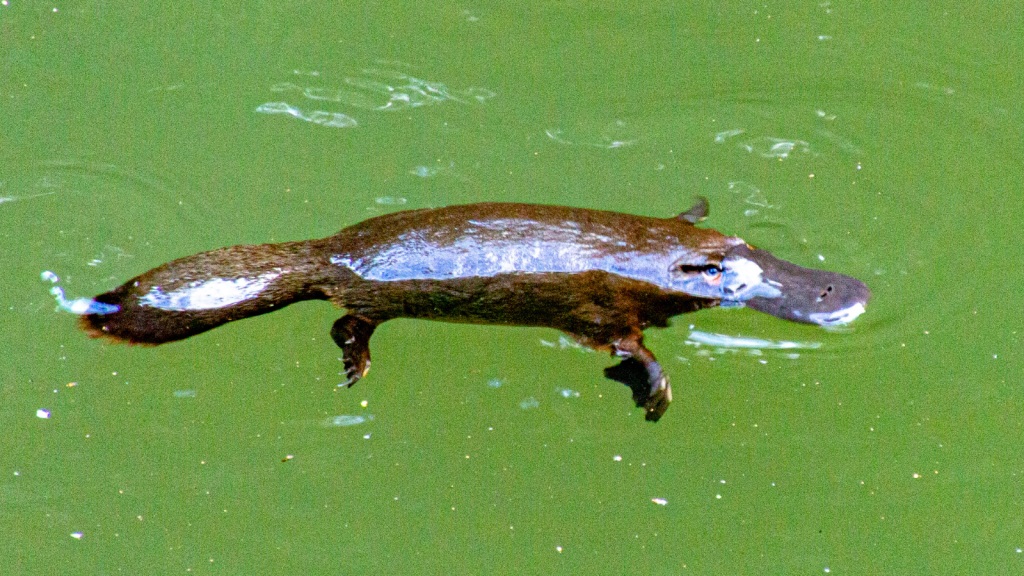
(881, 140)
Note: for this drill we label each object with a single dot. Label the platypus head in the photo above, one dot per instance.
(803, 294)
(747, 276)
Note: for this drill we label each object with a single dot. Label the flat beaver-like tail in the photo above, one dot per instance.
(199, 292)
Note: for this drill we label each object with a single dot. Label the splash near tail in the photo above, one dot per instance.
(197, 293)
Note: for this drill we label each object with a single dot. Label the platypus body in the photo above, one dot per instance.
(601, 277)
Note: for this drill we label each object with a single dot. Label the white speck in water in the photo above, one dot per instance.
(567, 393)
(528, 403)
(76, 535)
(617, 458)
(41, 413)
(495, 382)
(366, 437)
(659, 501)
(559, 548)
(827, 570)
(718, 496)
(821, 257)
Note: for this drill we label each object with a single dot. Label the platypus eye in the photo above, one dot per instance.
(712, 273)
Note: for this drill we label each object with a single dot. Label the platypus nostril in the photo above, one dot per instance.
(734, 290)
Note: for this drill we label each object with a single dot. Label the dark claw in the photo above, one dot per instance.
(354, 373)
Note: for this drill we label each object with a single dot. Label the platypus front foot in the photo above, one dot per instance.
(352, 334)
(651, 390)
(640, 368)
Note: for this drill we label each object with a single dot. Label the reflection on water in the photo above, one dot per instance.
(13, 198)
(721, 344)
(764, 146)
(565, 342)
(348, 420)
(329, 119)
(53, 178)
(528, 403)
(751, 195)
(698, 337)
(105, 169)
(615, 135)
(373, 89)
(778, 148)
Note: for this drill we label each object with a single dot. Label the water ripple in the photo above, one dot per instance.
(329, 119)
(373, 89)
(765, 146)
(615, 135)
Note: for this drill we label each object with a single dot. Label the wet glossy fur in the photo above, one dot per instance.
(602, 277)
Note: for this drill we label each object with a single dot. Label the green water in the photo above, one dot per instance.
(883, 140)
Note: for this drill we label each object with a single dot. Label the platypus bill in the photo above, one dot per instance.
(601, 277)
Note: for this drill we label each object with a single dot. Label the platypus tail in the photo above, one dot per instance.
(200, 292)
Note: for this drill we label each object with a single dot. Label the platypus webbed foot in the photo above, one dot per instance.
(642, 373)
(653, 394)
(352, 334)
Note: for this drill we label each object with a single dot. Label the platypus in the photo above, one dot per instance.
(601, 277)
